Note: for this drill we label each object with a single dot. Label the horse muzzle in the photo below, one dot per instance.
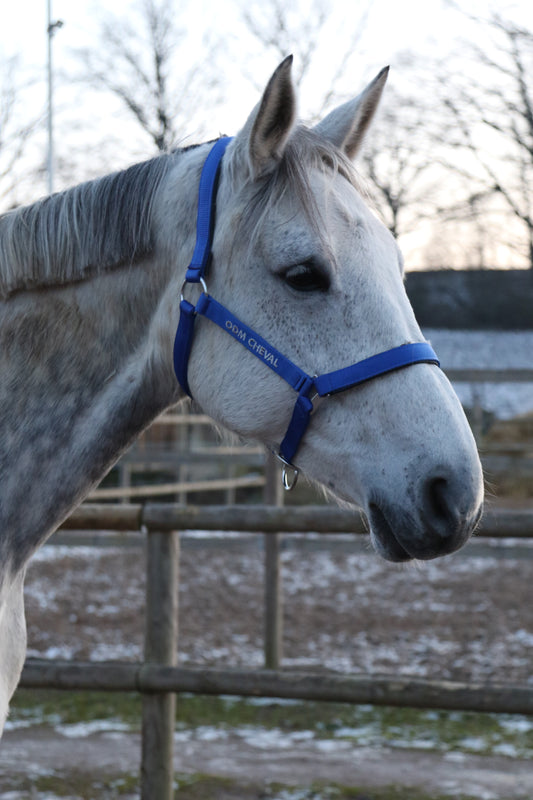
(444, 515)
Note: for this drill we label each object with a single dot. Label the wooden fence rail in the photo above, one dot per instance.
(153, 490)
(496, 522)
(327, 686)
(158, 677)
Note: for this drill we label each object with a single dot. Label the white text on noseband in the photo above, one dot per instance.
(251, 343)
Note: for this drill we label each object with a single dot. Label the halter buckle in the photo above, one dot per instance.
(289, 473)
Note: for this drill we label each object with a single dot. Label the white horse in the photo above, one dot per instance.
(90, 286)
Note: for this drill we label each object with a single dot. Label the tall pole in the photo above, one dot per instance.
(51, 29)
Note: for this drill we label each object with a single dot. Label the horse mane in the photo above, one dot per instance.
(93, 227)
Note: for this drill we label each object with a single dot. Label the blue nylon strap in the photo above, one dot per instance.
(206, 211)
(380, 364)
(208, 307)
(346, 378)
(183, 343)
(329, 383)
(299, 380)
(300, 419)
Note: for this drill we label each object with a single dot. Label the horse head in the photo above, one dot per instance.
(300, 257)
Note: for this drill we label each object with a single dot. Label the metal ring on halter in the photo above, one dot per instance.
(187, 283)
(289, 473)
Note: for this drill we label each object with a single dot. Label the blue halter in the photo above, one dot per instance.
(307, 387)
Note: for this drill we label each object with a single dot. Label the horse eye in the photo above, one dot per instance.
(306, 277)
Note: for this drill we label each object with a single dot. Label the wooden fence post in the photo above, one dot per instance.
(273, 643)
(161, 643)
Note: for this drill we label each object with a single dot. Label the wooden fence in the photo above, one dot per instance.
(158, 678)
(184, 448)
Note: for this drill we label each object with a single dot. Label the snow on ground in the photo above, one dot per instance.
(466, 616)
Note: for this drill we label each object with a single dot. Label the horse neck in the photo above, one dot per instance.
(85, 368)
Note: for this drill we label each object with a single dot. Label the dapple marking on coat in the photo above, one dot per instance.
(90, 286)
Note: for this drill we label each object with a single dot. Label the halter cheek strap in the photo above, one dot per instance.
(307, 387)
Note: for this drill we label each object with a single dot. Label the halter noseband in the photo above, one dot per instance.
(308, 388)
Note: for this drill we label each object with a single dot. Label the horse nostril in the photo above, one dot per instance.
(437, 496)
(450, 515)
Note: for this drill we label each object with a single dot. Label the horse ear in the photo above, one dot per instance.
(346, 126)
(271, 122)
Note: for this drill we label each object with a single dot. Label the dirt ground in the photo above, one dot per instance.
(467, 616)
(254, 769)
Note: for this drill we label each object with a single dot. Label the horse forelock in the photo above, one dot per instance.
(304, 154)
(93, 227)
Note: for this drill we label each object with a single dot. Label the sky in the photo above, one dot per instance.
(393, 26)
(425, 27)
(390, 28)
(24, 23)
(421, 26)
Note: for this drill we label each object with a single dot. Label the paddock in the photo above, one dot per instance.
(157, 677)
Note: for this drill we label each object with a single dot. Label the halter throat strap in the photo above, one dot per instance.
(308, 387)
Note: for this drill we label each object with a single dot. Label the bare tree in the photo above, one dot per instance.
(491, 109)
(398, 160)
(324, 40)
(399, 153)
(15, 130)
(136, 61)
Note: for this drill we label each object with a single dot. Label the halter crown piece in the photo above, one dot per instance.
(308, 388)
